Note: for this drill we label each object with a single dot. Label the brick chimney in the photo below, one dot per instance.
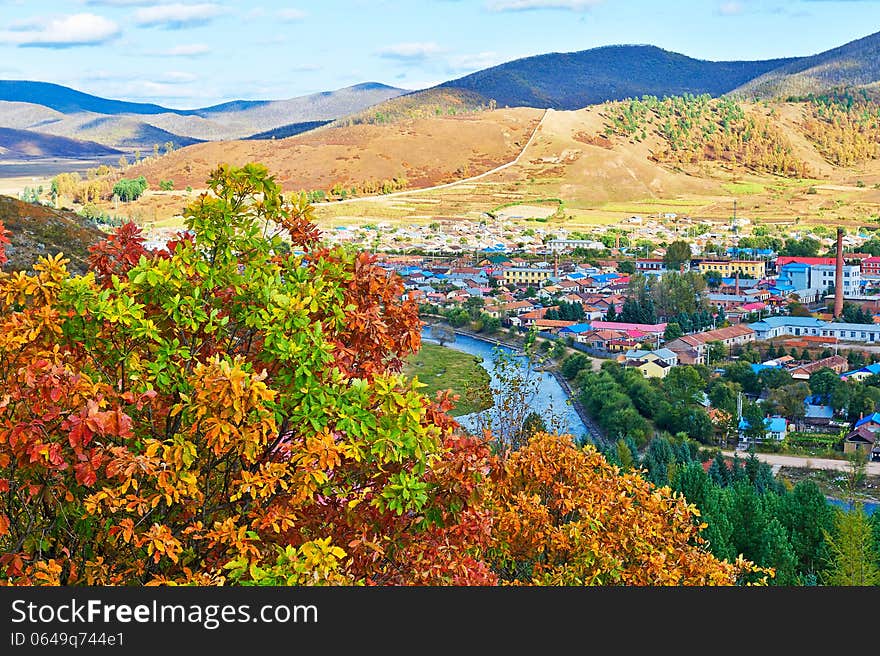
(838, 276)
(556, 265)
(736, 289)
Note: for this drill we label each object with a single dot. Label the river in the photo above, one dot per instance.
(870, 508)
(550, 399)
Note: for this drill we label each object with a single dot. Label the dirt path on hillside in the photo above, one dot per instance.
(409, 192)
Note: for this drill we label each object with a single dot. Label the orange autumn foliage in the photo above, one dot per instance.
(565, 516)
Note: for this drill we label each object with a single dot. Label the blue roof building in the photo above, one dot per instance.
(776, 428)
(873, 418)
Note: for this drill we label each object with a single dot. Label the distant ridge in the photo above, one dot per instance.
(856, 63)
(69, 101)
(26, 144)
(577, 79)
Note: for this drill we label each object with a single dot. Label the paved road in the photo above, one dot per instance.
(871, 468)
(408, 192)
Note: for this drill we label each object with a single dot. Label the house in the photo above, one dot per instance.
(577, 332)
(518, 307)
(862, 373)
(552, 326)
(649, 368)
(776, 429)
(727, 268)
(771, 327)
(837, 363)
(696, 345)
(662, 355)
(871, 267)
(650, 265)
(601, 340)
(528, 318)
(649, 329)
(817, 413)
(860, 440)
(871, 422)
(526, 276)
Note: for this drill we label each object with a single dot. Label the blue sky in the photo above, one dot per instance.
(193, 53)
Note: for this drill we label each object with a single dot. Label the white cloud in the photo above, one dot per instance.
(176, 16)
(186, 50)
(474, 62)
(410, 51)
(61, 32)
(291, 15)
(526, 5)
(730, 8)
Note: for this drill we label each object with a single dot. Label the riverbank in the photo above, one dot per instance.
(441, 368)
(550, 366)
(550, 399)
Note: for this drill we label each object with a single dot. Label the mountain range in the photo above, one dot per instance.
(562, 81)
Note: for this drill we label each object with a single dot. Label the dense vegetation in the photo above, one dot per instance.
(844, 125)
(699, 128)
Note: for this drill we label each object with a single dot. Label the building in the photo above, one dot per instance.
(776, 427)
(728, 268)
(871, 422)
(526, 276)
(650, 265)
(860, 440)
(558, 245)
(552, 326)
(649, 368)
(648, 328)
(696, 346)
(662, 355)
(871, 266)
(862, 373)
(837, 363)
(771, 327)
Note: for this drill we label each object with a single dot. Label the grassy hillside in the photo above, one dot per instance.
(121, 132)
(37, 231)
(854, 64)
(429, 103)
(577, 79)
(424, 151)
(25, 144)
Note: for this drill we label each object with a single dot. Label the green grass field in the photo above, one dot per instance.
(442, 368)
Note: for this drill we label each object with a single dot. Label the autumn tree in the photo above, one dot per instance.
(567, 517)
(226, 407)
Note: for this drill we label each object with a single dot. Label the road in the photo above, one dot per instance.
(871, 468)
(448, 184)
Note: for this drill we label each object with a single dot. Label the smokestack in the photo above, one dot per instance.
(556, 265)
(736, 290)
(838, 276)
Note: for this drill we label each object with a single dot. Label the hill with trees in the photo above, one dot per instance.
(577, 79)
(37, 231)
(853, 64)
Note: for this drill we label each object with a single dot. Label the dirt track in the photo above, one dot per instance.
(804, 462)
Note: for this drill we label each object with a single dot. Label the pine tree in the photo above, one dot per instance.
(852, 550)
